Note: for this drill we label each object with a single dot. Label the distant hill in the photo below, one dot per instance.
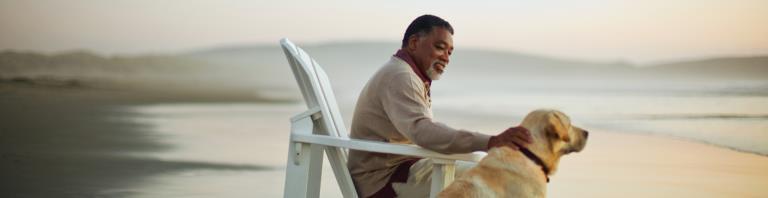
(89, 66)
(729, 67)
(263, 69)
(155, 73)
(366, 57)
(350, 64)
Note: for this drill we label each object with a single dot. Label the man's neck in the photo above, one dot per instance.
(404, 55)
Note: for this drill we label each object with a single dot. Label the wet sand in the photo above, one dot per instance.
(70, 142)
(634, 165)
(619, 164)
(60, 142)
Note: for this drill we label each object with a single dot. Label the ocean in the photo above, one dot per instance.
(738, 122)
(257, 133)
(652, 122)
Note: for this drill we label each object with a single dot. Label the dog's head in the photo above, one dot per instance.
(553, 135)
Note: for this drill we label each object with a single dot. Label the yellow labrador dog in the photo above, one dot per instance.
(505, 172)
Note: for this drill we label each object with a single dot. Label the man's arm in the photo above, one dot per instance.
(407, 108)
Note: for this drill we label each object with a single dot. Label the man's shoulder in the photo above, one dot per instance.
(398, 70)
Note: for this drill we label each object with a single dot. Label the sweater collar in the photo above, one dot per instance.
(402, 54)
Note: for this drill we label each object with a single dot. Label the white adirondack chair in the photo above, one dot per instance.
(321, 129)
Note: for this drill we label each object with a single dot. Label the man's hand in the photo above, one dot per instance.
(512, 137)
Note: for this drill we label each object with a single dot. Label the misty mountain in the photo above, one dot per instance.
(263, 70)
(155, 73)
(350, 64)
(353, 57)
(729, 67)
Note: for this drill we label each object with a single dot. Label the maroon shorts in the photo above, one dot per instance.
(400, 176)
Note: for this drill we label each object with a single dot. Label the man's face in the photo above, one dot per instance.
(431, 52)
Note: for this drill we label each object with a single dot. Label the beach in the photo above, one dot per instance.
(80, 142)
(72, 142)
(628, 165)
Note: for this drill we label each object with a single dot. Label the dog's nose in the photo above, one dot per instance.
(586, 134)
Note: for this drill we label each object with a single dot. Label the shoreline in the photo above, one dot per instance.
(638, 165)
(692, 140)
(71, 143)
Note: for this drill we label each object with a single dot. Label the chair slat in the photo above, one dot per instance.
(317, 92)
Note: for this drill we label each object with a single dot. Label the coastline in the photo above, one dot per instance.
(72, 142)
(629, 164)
(638, 165)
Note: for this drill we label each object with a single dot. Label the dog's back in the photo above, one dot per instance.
(503, 173)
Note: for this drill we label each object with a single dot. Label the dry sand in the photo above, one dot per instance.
(62, 142)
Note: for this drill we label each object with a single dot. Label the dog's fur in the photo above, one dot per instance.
(505, 172)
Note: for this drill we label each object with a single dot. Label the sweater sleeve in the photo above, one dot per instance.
(405, 105)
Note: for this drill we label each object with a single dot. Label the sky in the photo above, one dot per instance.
(600, 30)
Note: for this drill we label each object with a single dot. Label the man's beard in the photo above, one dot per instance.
(432, 73)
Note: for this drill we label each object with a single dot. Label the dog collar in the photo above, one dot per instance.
(536, 160)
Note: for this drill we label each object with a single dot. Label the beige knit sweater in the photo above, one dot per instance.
(394, 107)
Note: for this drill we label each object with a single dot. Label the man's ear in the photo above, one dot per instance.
(413, 42)
(556, 126)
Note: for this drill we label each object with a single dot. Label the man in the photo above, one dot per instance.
(395, 106)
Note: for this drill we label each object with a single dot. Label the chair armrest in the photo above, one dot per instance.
(381, 147)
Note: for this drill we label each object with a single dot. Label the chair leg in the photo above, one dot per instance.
(443, 172)
(303, 171)
(305, 164)
(337, 159)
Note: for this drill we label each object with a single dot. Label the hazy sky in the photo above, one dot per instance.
(647, 30)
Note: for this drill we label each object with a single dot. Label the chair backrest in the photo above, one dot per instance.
(318, 94)
(315, 87)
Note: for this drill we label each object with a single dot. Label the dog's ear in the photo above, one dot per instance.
(557, 126)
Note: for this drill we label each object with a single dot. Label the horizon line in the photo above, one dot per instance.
(306, 44)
